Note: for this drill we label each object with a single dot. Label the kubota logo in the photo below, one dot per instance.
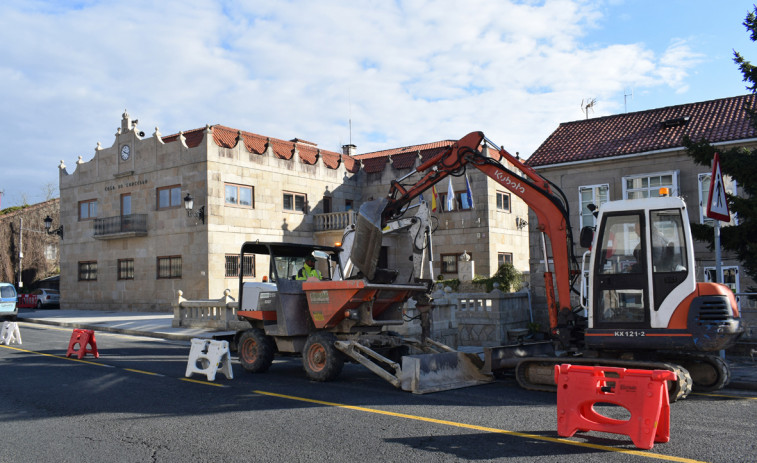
(509, 182)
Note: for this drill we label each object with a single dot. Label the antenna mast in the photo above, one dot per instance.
(625, 98)
(588, 104)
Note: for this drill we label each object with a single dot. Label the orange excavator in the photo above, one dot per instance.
(639, 304)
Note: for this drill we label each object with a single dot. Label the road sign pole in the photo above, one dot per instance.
(718, 266)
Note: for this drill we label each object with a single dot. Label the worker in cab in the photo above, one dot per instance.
(308, 269)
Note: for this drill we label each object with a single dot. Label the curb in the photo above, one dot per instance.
(86, 326)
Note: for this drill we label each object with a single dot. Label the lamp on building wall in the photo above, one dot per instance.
(189, 204)
(520, 223)
(49, 223)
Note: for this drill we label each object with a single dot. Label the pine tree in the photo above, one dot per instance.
(741, 165)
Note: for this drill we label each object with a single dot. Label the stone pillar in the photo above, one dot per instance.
(465, 268)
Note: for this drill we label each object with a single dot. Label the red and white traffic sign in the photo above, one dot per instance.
(717, 203)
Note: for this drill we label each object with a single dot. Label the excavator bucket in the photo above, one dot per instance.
(426, 373)
(367, 243)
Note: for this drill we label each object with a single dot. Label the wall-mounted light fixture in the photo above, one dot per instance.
(189, 204)
(520, 223)
(49, 223)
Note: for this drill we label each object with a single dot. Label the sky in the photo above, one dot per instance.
(377, 74)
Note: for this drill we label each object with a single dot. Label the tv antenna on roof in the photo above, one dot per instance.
(625, 98)
(588, 104)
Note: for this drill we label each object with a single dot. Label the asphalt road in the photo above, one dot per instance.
(135, 404)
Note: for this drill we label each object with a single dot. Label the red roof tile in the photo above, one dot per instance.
(639, 132)
(402, 158)
(226, 137)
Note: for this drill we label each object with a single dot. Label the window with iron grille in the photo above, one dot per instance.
(88, 271)
(125, 269)
(232, 265)
(169, 267)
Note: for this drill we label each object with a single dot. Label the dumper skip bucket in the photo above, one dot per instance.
(426, 373)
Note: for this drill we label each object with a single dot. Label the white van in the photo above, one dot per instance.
(8, 308)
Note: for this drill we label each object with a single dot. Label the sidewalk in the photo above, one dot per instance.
(158, 325)
(150, 324)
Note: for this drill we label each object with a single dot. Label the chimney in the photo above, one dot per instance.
(349, 150)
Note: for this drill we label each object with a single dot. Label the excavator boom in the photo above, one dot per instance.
(472, 149)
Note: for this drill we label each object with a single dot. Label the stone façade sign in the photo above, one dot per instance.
(125, 185)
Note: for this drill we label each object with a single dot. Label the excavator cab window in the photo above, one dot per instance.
(621, 287)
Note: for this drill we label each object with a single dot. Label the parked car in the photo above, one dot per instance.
(8, 308)
(46, 298)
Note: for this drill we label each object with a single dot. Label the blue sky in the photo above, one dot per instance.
(403, 72)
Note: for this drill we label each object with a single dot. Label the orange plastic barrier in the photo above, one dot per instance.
(26, 301)
(82, 338)
(643, 393)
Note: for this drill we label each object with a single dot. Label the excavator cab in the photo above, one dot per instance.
(642, 287)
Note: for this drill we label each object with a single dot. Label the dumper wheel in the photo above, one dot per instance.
(255, 350)
(320, 358)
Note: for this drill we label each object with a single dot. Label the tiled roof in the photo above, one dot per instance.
(401, 158)
(644, 131)
(226, 137)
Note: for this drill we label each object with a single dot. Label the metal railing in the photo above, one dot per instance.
(134, 223)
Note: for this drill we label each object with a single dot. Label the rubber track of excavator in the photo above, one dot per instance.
(678, 389)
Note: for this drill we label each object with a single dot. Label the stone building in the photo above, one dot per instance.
(130, 243)
(29, 252)
(632, 155)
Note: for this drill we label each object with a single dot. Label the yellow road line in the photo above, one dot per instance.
(724, 396)
(73, 359)
(143, 372)
(206, 383)
(555, 440)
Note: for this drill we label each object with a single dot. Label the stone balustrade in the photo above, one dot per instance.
(217, 314)
(334, 220)
(458, 319)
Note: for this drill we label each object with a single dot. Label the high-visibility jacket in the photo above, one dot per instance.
(307, 271)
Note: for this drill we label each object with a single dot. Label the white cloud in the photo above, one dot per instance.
(405, 72)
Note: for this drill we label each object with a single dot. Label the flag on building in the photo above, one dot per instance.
(433, 199)
(468, 193)
(450, 195)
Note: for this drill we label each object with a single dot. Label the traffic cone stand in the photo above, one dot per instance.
(82, 339)
(643, 393)
(207, 357)
(10, 334)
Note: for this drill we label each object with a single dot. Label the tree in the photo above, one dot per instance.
(741, 165)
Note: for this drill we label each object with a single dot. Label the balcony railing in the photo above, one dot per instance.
(121, 226)
(334, 220)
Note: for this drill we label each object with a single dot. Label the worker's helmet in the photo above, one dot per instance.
(310, 259)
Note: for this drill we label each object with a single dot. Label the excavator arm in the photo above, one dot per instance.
(550, 208)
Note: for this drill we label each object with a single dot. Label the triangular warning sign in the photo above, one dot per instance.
(717, 203)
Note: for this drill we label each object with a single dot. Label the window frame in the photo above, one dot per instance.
(171, 260)
(239, 187)
(125, 273)
(245, 266)
(294, 196)
(170, 205)
(673, 186)
(90, 215)
(504, 260)
(443, 269)
(595, 200)
(503, 194)
(91, 270)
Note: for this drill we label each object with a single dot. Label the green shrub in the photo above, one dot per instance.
(508, 277)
